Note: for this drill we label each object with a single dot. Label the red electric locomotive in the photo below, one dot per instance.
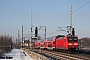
(69, 43)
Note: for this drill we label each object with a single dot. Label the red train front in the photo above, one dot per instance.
(69, 43)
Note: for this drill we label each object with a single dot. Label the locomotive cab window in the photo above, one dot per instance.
(72, 39)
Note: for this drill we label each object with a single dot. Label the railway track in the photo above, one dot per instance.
(61, 55)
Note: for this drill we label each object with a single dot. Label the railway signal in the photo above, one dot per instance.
(36, 31)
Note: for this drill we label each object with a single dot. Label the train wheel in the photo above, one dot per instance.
(53, 49)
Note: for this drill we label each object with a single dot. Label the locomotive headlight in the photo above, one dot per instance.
(70, 44)
(75, 43)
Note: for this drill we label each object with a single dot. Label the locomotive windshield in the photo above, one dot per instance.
(72, 39)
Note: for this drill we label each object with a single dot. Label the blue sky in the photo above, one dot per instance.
(15, 13)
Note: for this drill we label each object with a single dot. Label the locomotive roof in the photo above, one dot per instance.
(50, 38)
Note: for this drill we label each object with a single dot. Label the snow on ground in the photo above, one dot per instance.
(18, 54)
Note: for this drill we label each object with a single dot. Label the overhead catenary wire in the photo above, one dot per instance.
(69, 14)
(76, 24)
(78, 4)
(81, 7)
(82, 22)
(66, 15)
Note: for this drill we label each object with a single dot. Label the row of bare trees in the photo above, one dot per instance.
(5, 43)
(86, 41)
